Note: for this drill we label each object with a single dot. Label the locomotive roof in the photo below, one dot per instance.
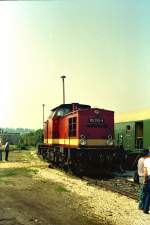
(70, 106)
(138, 115)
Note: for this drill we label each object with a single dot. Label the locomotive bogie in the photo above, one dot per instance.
(81, 161)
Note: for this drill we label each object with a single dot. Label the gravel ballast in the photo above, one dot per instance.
(107, 207)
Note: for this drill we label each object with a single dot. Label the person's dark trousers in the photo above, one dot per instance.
(142, 196)
(6, 155)
(147, 197)
(142, 193)
(0, 155)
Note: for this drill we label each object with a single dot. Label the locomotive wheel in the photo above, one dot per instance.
(77, 169)
(44, 155)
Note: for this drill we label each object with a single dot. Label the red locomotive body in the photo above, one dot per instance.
(80, 138)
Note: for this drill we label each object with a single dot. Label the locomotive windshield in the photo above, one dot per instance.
(64, 109)
(62, 112)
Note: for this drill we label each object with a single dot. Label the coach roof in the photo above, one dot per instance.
(137, 115)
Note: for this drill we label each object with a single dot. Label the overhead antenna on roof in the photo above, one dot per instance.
(63, 83)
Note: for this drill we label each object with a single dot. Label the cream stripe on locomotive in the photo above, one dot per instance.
(75, 142)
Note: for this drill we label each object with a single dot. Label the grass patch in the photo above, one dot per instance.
(61, 189)
(18, 171)
(33, 170)
(7, 173)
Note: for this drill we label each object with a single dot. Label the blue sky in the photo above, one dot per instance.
(102, 47)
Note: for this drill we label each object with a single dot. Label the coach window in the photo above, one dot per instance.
(128, 128)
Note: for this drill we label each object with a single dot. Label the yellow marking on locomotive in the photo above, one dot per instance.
(70, 141)
(75, 142)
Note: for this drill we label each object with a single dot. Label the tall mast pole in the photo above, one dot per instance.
(43, 105)
(63, 83)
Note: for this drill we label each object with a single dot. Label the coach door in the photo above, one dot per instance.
(139, 135)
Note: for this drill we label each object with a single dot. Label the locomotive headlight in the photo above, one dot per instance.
(82, 140)
(110, 141)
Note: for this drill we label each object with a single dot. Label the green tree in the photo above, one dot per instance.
(31, 139)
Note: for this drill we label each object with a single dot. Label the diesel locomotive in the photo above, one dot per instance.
(81, 138)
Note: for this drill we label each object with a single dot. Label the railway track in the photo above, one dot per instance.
(117, 184)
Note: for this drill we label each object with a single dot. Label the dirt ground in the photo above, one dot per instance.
(27, 199)
(31, 193)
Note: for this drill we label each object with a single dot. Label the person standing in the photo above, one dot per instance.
(0, 150)
(6, 150)
(146, 182)
(140, 170)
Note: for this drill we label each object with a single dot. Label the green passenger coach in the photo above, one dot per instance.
(132, 130)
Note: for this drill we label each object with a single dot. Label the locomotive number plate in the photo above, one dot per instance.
(96, 120)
